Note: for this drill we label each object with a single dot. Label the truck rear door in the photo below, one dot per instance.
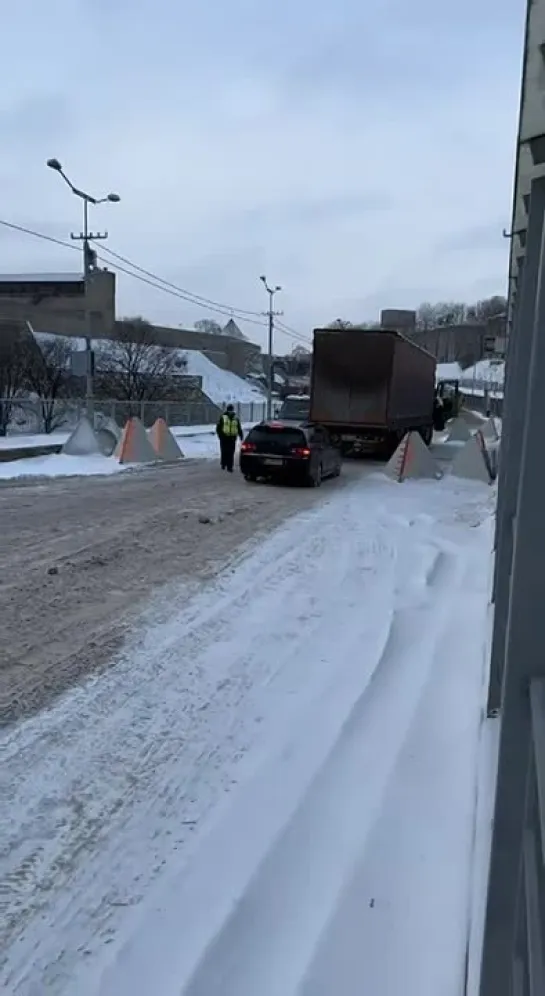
(351, 378)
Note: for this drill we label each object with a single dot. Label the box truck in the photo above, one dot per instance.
(371, 386)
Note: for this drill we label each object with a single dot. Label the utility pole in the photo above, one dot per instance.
(271, 315)
(89, 264)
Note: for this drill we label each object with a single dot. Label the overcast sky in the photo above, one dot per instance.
(360, 154)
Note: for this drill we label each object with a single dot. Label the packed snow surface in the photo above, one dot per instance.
(274, 790)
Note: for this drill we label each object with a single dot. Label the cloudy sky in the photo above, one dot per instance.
(358, 154)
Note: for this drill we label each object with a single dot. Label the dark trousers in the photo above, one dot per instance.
(227, 450)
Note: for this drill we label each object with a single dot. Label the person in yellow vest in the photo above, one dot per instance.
(228, 430)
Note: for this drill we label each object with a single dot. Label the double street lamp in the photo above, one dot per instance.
(88, 261)
(271, 313)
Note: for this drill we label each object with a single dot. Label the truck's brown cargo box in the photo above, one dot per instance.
(371, 379)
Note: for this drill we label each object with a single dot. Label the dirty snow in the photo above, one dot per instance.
(81, 556)
(273, 792)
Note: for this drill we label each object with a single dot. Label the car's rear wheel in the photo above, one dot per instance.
(315, 477)
(251, 478)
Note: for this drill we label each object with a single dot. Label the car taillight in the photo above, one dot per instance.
(300, 451)
(247, 447)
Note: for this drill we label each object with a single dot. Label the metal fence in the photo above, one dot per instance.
(31, 416)
(514, 936)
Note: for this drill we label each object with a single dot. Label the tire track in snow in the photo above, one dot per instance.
(408, 892)
(97, 783)
(258, 934)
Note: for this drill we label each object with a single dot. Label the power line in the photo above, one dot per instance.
(288, 330)
(199, 299)
(151, 279)
(158, 283)
(196, 298)
(38, 235)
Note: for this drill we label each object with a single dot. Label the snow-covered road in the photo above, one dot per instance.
(273, 791)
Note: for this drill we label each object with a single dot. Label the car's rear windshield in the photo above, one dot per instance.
(284, 436)
(295, 409)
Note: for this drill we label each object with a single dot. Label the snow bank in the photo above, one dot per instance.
(22, 440)
(485, 370)
(59, 465)
(221, 386)
(448, 371)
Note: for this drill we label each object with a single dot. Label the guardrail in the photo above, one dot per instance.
(528, 963)
(30, 416)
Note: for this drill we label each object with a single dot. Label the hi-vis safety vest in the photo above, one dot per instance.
(230, 425)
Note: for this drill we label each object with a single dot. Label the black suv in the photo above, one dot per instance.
(292, 451)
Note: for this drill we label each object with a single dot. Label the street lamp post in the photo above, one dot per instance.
(271, 314)
(88, 262)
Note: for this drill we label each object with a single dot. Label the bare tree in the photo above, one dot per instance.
(209, 326)
(341, 323)
(15, 345)
(48, 376)
(490, 307)
(441, 314)
(135, 367)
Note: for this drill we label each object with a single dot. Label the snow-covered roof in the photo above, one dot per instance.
(491, 371)
(448, 371)
(220, 385)
(72, 342)
(40, 278)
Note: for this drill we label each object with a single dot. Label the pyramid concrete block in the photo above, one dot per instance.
(107, 440)
(473, 461)
(109, 423)
(83, 441)
(412, 460)
(459, 431)
(108, 433)
(490, 430)
(164, 443)
(134, 445)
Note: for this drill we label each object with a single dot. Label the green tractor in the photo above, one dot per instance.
(448, 391)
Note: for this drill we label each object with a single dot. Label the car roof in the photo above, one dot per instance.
(288, 423)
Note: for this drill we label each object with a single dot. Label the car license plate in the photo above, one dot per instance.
(273, 461)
